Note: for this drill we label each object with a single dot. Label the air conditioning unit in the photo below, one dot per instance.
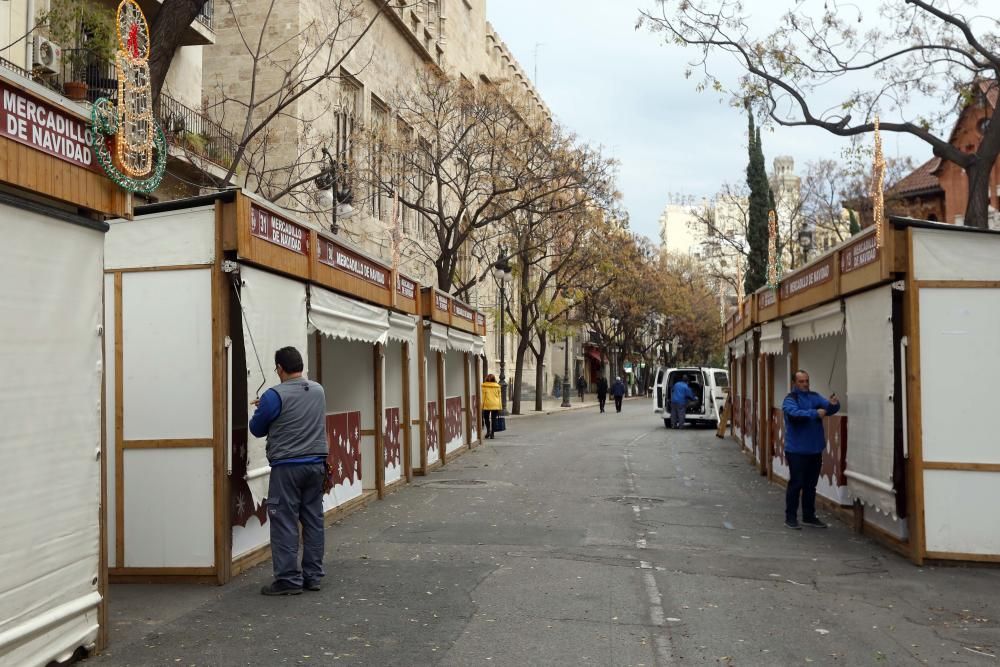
(47, 55)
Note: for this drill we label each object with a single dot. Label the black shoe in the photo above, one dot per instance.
(793, 525)
(311, 585)
(280, 588)
(813, 523)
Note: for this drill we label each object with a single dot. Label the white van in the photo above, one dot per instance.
(710, 385)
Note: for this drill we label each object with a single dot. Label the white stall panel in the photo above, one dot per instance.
(168, 507)
(50, 408)
(959, 364)
(454, 386)
(110, 525)
(167, 354)
(947, 254)
(174, 238)
(960, 511)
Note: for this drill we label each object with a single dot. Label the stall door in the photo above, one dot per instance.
(162, 507)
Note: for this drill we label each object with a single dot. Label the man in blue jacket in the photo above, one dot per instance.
(680, 395)
(804, 444)
(293, 417)
(618, 391)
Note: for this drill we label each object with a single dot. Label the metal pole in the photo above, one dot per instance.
(503, 354)
(565, 387)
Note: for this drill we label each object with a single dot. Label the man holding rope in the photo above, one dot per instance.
(805, 441)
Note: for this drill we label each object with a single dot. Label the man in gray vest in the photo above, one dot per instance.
(293, 417)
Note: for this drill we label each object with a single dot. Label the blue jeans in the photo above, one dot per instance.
(678, 415)
(294, 496)
(803, 475)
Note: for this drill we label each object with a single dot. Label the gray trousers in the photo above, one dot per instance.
(678, 412)
(294, 496)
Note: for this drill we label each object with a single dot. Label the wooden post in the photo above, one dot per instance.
(221, 405)
(378, 357)
(407, 427)
(915, 463)
(769, 445)
(442, 445)
(468, 399)
(479, 399)
(422, 395)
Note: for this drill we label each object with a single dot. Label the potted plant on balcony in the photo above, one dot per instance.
(86, 31)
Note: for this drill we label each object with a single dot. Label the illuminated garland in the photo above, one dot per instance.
(773, 260)
(878, 182)
(129, 145)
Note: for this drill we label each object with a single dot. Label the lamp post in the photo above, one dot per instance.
(502, 272)
(565, 387)
(334, 192)
(805, 242)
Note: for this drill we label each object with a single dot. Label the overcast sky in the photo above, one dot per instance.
(623, 89)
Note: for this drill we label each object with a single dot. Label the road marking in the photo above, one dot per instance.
(661, 637)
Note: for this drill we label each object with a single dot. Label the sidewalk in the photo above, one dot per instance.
(552, 406)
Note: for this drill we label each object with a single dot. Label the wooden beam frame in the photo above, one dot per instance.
(442, 445)
(407, 426)
(378, 363)
(915, 485)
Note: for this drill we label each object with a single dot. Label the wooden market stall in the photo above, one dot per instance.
(205, 290)
(53, 200)
(452, 374)
(902, 329)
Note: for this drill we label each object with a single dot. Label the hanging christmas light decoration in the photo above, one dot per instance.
(128, 143)
(739, 284)
(878, 182)
(772, 249)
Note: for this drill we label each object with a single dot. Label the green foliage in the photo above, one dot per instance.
(855, 227)
(761, 199)
(82, 24)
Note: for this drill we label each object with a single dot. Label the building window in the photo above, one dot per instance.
(347, 116)
(378, 203)
(405, 175)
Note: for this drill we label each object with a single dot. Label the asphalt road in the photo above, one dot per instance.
(580, 539)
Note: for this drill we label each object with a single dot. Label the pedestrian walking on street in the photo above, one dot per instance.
(491, 404)
(293, 417)
(680, 395)
(804, 444)
(618, 391)
(602, 391)
(581, 387)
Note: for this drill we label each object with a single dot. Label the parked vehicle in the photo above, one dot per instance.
(710, 386)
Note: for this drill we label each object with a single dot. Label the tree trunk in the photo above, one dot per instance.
(522, 348)
(543, 343)
(977, 208)
(165, 35)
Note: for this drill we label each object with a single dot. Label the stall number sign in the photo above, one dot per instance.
(768, 298)
(44, 127)
(441, 302)
(266, 225)
(859, 255)
(811, 278)
(406, 288)
(333, 255)
(461, 311)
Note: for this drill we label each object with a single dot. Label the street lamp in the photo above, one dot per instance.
(565, 386)
(805, 242)
(334, 191)
(502, 272)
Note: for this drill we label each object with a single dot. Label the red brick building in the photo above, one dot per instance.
(938, 190)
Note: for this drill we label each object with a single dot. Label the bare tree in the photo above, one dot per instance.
(463, 158)
(916, 48)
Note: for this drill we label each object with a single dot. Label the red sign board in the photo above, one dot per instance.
(859, 254)
(406, 287)
(341, 258)
(461, 311)
(800, 282)
(277, 230)
(441, 302)
(45, 127)
(768, 298)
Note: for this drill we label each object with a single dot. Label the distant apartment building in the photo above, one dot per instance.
(682, 231)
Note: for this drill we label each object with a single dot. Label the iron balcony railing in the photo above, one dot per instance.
(206, 14)
(193, 131)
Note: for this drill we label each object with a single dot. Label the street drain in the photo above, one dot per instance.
(458, 482)
(633, 500)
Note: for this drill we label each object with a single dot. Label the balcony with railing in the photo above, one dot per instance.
(84, 76)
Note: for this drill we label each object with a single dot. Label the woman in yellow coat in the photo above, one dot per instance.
(491, 403)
